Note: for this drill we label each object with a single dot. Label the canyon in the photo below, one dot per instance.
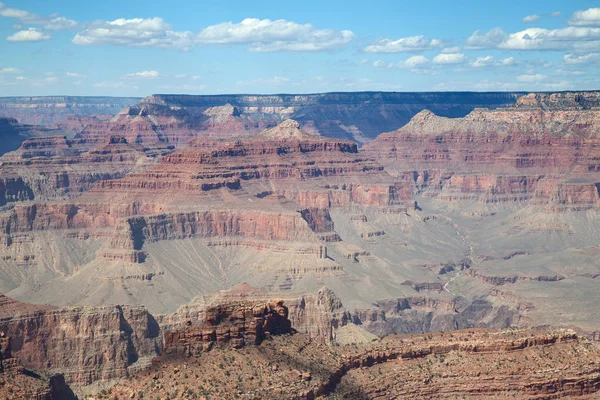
(188, 228)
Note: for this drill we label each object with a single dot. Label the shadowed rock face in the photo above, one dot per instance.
(12, 133)
(356, 116)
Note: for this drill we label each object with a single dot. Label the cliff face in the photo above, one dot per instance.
(90, 344)
(13, 133)
(86, 344)
(54, 167)
(356, 116)
(552, 138)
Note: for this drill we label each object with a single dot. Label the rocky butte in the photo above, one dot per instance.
(133, 231)
(355, 116)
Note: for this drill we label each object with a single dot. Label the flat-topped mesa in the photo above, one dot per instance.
(560, 101)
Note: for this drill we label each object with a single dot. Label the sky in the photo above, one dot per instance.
(138, 48)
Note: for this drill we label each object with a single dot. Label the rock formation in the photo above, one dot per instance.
(478, 363)
(488, 220)
(357, 116)
(55, 110)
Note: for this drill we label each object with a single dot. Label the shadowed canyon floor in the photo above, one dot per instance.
(489, 221)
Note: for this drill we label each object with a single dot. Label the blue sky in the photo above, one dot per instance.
(137, 48)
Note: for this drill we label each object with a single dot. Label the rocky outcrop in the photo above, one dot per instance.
(235, 323)
(518, 364)
(87, 344)
(90, 344)
(18, 383)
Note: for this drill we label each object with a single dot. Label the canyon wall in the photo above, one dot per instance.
(53, 110)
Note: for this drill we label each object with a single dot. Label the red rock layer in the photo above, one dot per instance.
(236, 324)
(545, 149)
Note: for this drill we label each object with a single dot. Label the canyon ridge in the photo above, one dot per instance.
(340, 245)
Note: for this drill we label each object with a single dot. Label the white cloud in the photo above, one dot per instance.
(479, 40)
(531, 18)
(591, 16)
(29, 35)
(152, 32)
(407, 44)
(144, 75)
(555, 14)
(574, 38)
(490, 61)
(50, 22)
(60, 23)
(583, 59)
(447, 50)
(415, 64)
(51, 79)
(10, 71)
(571, 38)
(274, 81)
(454, 58)
(483, 62)
(531, 78)
(75, 75)
(364, 61)
(260, 35)
(280, 35)
(416, 61)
